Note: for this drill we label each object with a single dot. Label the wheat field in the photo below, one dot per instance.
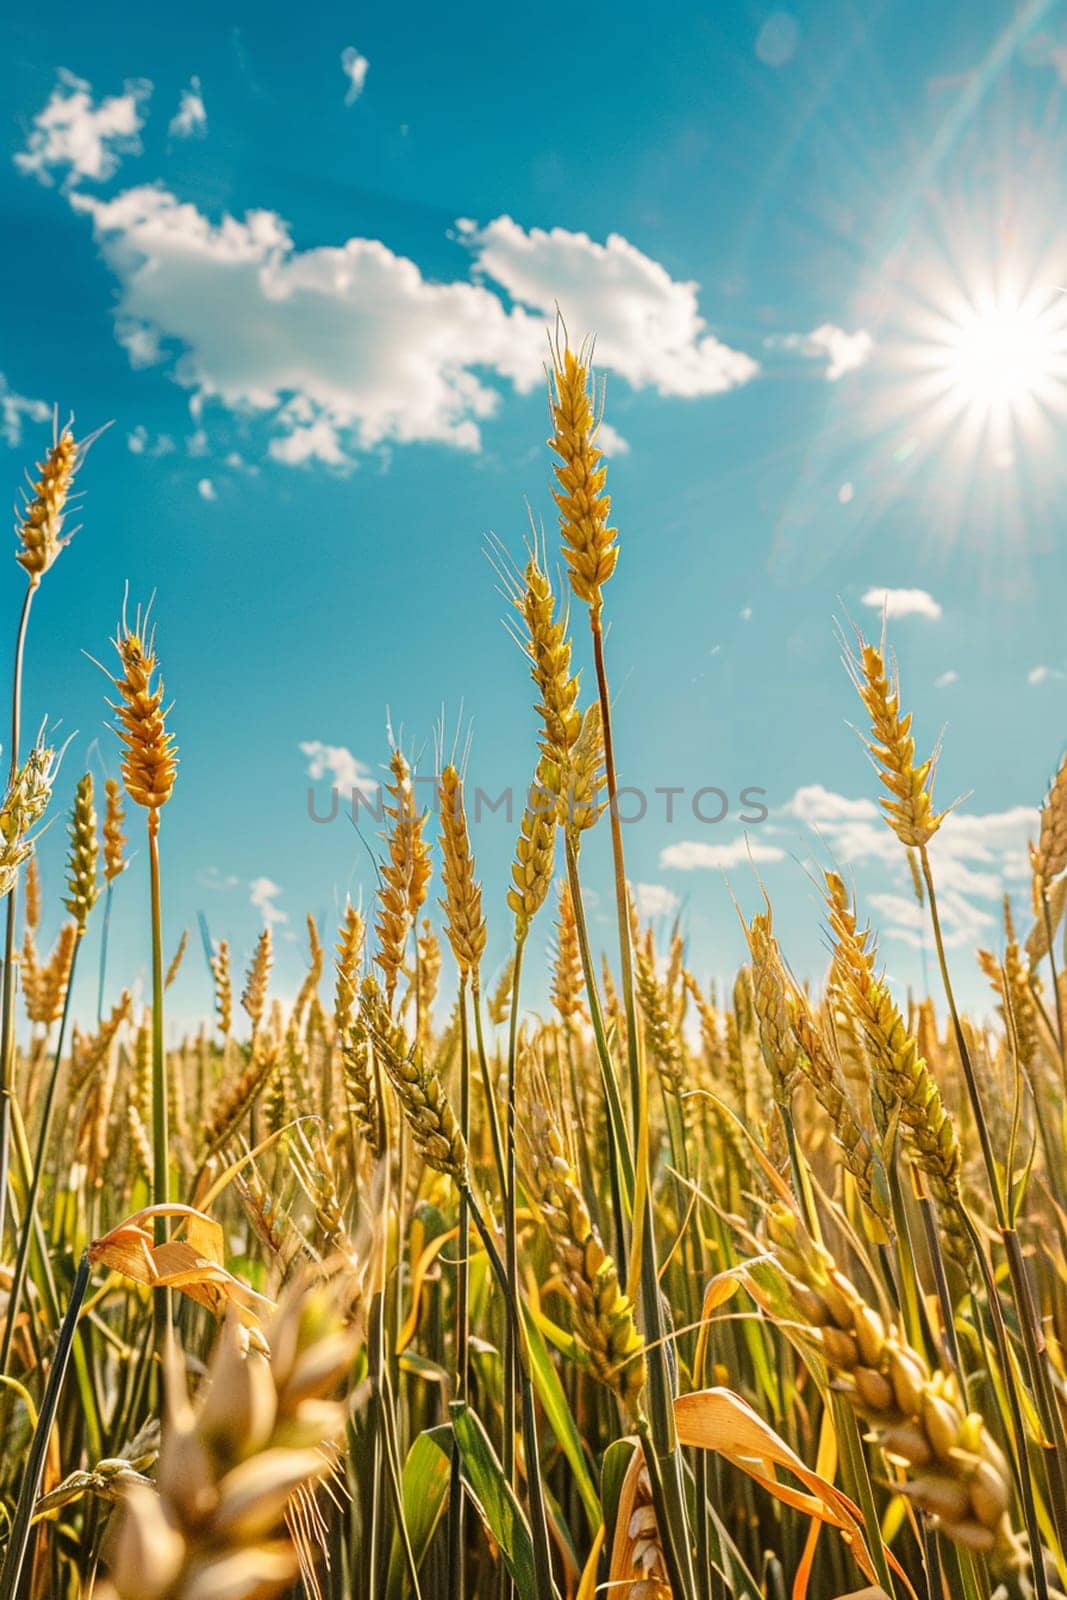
(758, 1293)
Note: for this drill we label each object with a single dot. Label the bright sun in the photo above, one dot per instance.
(982, 368)
(1003, 353)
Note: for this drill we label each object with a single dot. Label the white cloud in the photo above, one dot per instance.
(206, 490)
(16, 408)
(355, 68)
(821, 807)
(212, 878)
(947, 679)
(654, 900)
(648, 327)
(309, 438)
(262, 893)
(1038, 675)
(746, 613)
(902, 602)
(611, 441)
(843, 352)
(354, 333)
(86, 137)
(972, 854)
(962, 924)
(349, 347)
(140, 443)
(688, 854)
(190, 119)
(345, 772)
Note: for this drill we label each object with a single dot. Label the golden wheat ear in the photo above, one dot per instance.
(890, 744)
(956, 1472)
(589, 543)
(150, 754)
(40, 521)
(465, 925)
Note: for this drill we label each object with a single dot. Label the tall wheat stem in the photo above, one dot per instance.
(7, 1013)
(489, 1095)
(21, 1526)
(160, 1130)
(456, 1519)
(511, 1200)
(619, 1155)
(671, 1509)
(18, 1281)
(105, 930)
(534, 1487)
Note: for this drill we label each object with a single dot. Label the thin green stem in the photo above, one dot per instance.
(105, 930)
(511, 1200)
(489, 1093)
(7, 985)
(977, 1110)
(160, 1131)
(15, 1558)
(672, 1508)
(619, 1153)
(456, 1518)
(18, 1281)
(534, 1487)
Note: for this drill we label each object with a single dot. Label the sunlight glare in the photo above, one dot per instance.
(1002, 353)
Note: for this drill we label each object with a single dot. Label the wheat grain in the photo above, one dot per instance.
(465, 924)
(254, 995)
(422, 1097)
(909, 810)
(83, 888)
(220, 969)
(39, 525)
(957, 1472)
(603, 1314)
(150, 757)
(589, 543)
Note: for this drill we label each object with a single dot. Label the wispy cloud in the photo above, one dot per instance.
(336, 762)
(903, 919)
(842, 351)
(902, 602)
(83, 137)
(355, 68)
(262, 894)
(1038, 675)
(310, 438)
(688, 854)
(139, 442)
(611, 441)
(817, 806)
(654, 900)
(947, 679)
(206, 489)
(190, 119)
(974, 855)
(211, 878)
(16, 409)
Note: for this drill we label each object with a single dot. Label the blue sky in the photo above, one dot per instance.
(305, 263)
